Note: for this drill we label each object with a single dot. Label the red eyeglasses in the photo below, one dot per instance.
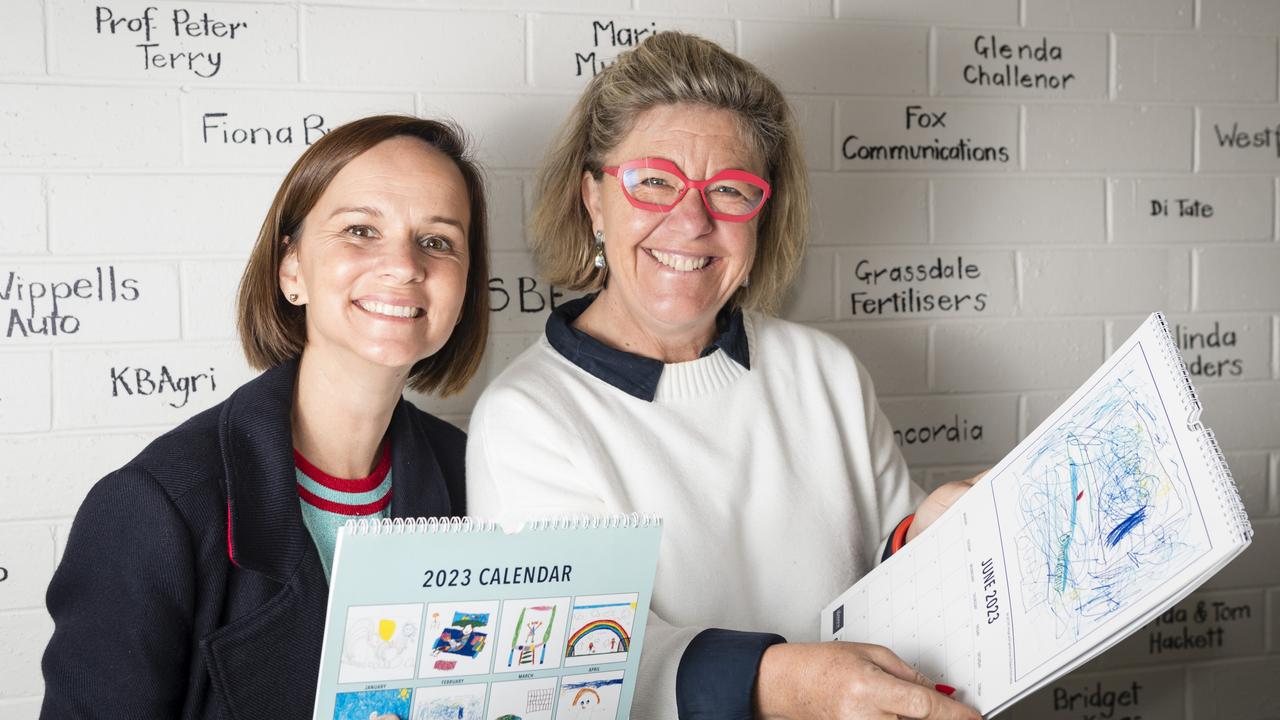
(659, 185)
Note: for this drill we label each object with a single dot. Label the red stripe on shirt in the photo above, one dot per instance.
(338, 508)
(358, 485)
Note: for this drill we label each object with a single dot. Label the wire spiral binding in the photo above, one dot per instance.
(1225, 486)
(412, 526)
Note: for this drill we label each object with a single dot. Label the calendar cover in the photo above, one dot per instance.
(459, 620)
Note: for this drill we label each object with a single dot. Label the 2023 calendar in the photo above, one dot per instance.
(458, 620)
(1113, 509)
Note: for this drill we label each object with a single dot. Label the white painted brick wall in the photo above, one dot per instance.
(44, 126)
(144, 386)
(1075, 282)
(1018, 211)
(27, 559)
(981, 12)
(1015, 355)
(113, 214)
(568, 50)
(878, 283)
(25, 390)
(209, 290)
(1109, 14)
(927, 134)
(1137, 138)
(510, 131)
(106, 163)
(22, 53)
(996, 63)
(1181, 67)
(1240, 16)
(896, 356)
(1247, 688)
(414, 49)
(741, 8)
(846, 58)
(87, 302)
(270, 129)
(1238, 278)
(25, 634)
(173, 41)
(1157, 210)
(859, 210)
(22, 224)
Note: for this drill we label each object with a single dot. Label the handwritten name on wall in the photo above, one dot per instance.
(878, 284)
(888, 136)
(165, 41)
(608, 38)
(38, 307)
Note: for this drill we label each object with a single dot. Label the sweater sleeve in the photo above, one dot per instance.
(522, 463)
(122, 600)
(897, 494)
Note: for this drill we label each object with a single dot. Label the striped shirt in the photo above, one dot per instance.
(328, 502)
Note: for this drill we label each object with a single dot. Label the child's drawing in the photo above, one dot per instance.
(532, 636)
(459, 639)
(380, 643)
(449, 702)
(1103, 511)
(524, 699)
(376, 704)
(594, 696)
(600, 629)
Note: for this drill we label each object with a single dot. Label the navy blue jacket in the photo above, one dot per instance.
(190, 588)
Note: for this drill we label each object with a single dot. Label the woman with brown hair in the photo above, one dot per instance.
(677, 196)
(195, 578)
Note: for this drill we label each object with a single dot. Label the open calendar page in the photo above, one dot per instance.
(1112, 510)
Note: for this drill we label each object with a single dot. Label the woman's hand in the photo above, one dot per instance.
(847, 681)
(937, 503)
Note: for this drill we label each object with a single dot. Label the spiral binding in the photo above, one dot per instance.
(410, 526)
(1225, 488)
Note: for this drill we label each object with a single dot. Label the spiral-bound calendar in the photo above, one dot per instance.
(459, 620)
(1112, 510)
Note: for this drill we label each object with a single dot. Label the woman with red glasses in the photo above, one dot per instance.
(677, 197)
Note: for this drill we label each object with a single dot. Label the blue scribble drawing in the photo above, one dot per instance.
(1104, 507)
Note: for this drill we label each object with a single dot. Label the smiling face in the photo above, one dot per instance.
(670, 273)
(381, 261)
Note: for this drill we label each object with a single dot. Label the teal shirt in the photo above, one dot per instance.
(328, 502)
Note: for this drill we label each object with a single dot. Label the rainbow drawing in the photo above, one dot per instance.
(610, 626)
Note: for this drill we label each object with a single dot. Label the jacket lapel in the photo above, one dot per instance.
(417, 484)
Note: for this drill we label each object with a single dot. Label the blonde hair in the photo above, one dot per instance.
(668, 68)
(273, 331)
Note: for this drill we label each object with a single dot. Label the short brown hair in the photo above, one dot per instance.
(668, 68)
(273, 330)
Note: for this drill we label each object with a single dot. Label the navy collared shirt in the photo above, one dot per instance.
(633, 374)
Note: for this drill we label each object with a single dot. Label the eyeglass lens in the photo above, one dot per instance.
(659, 187)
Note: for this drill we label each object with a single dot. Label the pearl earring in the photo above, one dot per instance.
(600, 262)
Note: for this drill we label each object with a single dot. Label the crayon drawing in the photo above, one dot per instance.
(380, 642)
(532, 634)
(1103, 511)
(524, 699)
(594, 696)
(449, 702)
(372, 704)
(459, 639)
(600, 629)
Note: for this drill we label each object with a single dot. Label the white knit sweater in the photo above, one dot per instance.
(776, 485)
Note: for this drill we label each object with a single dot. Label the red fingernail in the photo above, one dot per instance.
(945, 689)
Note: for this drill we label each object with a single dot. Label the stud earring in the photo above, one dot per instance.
(600, 262)
(293, 298)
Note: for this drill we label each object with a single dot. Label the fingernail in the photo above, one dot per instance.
(945, 689)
